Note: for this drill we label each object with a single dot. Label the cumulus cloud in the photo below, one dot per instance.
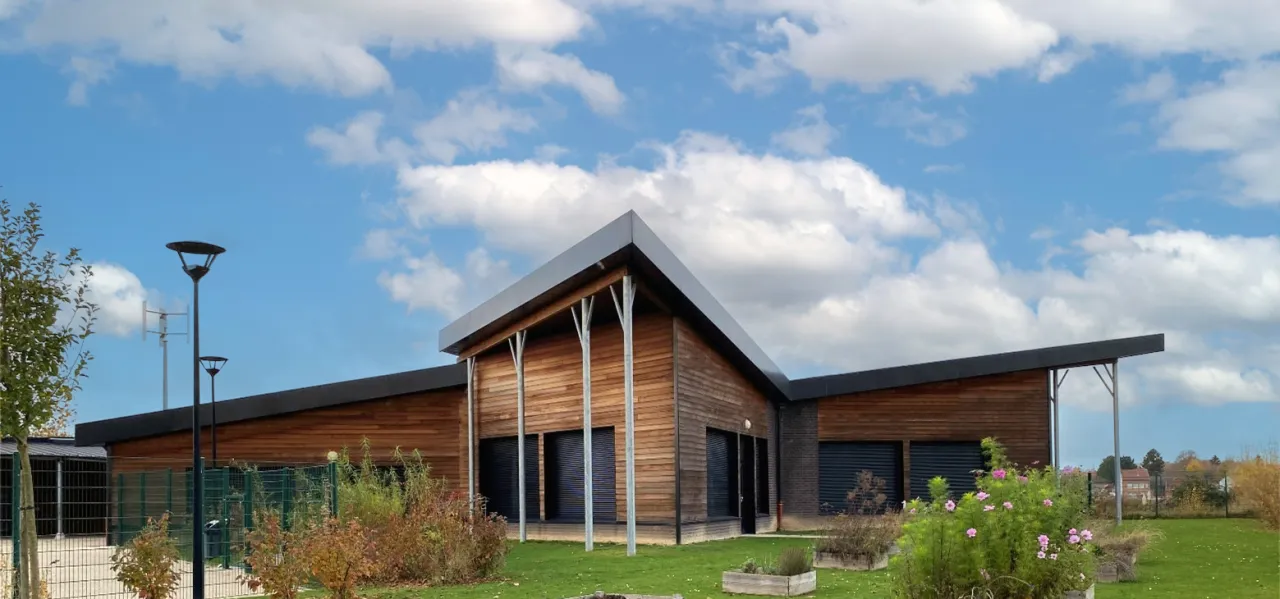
(845, 291)
(810, 134)
(119, 296)
(922, 126)
(530, 69)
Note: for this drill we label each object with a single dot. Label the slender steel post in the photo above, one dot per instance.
(164, 350)
(213, 416)
(582, 322)
(59, 498)
(197, 466)
(1115, 412)
(517, 353)
(471, 431)
(1057, 440)
(624, 306)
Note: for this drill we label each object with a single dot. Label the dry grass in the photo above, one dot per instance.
(1256, 482)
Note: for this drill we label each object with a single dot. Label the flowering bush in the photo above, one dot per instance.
(1019, 535)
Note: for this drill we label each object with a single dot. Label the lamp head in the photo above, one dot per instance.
(201, 256)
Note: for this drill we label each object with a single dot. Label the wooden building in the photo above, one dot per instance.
(612, 345)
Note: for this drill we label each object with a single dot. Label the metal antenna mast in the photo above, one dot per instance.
(162, 330)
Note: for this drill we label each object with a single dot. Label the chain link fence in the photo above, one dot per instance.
(1189, 495)
(89, 515)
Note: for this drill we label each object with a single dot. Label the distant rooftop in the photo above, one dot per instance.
(54, 447)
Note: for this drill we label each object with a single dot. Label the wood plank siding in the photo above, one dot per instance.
(553, 401)
(712, 393)
(1013, 407)
(429, 422)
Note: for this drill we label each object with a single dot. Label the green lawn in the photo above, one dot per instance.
(1231, 559)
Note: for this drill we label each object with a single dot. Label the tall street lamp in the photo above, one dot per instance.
(201, 257)
(213, 365)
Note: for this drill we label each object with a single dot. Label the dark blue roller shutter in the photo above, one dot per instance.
(565, 494)
(841, 462)
(955, 461)
(604, 485)
(499, 476)
(6, 497)
(722, 469)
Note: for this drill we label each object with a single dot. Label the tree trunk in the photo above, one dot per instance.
(29, 562)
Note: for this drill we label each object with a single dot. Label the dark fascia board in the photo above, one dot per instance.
(1062, 356)
(609, 245)
(104, 432)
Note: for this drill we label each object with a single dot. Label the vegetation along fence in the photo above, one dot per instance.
(81, 525)
(1190, 495)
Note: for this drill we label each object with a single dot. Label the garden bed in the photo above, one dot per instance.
(823, 559)
(741, 583)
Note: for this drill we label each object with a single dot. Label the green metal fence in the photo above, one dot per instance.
(144, 490)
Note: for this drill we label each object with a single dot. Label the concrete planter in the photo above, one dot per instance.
(1085, 594)
(1118, 568)
(822, 559)
(763, 584)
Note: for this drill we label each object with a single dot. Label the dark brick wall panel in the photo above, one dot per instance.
(800, 459)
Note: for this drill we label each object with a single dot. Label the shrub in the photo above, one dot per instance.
(794, 561)
(863, 531)
(338, 556)
(277, 567)
(1256, 480)
(1019, 535)
(147, 564)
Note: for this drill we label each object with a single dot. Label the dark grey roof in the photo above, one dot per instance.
(1062, 356)
(57, 447)
(626, 240)
(273, 404)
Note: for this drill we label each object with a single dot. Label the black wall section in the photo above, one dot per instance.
(722, 474)
(762, 477)
(954, 461)
(566, 495)
(840, 463)
(499, 476)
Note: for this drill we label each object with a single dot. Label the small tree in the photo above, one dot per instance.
(45, 320)
(1153, 462)
(147, 564)
(1107, 469)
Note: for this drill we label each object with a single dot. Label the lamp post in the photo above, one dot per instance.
(202, 256)
(213, 365)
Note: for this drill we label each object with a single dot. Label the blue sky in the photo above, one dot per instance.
(962, 178)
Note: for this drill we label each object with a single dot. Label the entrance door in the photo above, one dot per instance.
(747, 482)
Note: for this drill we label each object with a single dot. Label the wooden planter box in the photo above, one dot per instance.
(1085, 594)
(763, 584)
(1111, 571)
(822, 559)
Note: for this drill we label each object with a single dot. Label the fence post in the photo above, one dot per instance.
(16, 515)
(168, 493)
(120, 509)
(224, 543)
(1159, 488)
(333, 489)
(1226, 495)
(286, 498)
(142, 500)
(247, 506)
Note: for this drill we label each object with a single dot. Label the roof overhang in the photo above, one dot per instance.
(625, 241)
(1059, 357)
(103, 432)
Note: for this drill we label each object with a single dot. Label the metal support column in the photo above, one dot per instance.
(1113, 387)
(582, 322)
(1057, 438)
(471, 432)
(624, 305)
(59, 498)
(516, 344)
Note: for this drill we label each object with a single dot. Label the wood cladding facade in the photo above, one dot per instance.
(553, 402)
(432, 423)
(1012, 407)
(712, 393)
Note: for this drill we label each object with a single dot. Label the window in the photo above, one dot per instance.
(762, 477)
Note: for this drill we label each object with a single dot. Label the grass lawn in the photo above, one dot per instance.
(1231, 559)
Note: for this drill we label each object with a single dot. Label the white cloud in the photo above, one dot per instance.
(922, 126)
(358, 142)
(549, 152)
(944, 168)
(530, 69)
(297, 43)
(86, 73)
(118, 295)
(1056, 64)
(1157, 87)
(1239, 117)
(810, 134)
(837, 260)
(426, 283)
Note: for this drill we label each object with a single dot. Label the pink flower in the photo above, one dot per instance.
(1040, 555)
(988, 507)
(1071, 532)
(1044, 540)
(1073, 539)
(999, 473)
(1053, 556)
(913, 510)
(1022, 479)
(1088, 536)
(950, 505)
(1008, 505)
(972, 532)
(1048, 502)
(982, 496)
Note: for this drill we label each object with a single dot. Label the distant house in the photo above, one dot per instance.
(1137, 485)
